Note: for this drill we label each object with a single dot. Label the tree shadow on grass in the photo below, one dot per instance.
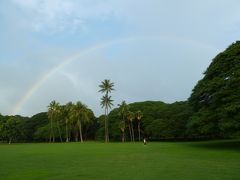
(218, 145)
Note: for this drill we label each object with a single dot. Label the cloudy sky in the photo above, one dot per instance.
(151, 49)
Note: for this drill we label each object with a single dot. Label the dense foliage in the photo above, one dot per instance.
(159, 121)
(216, 98)
(212, 111)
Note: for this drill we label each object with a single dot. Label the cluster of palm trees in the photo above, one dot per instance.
(127, 118)
(74, 116)
(71, 117)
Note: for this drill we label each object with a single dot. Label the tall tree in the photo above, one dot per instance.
(122, 127)
(131, 117)
(81, 113)
(52, 113)
(215, 99)
(58, 114)
(139, 116)
(67, 114)
(123, 110)
(106, 102)
(12, 128)
(106, 87)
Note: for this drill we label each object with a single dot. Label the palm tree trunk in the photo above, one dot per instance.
(123, 132)
(107, 127)
(105, 124)
(139, 132)
(123, 136)
(66, 131)
(80, 130)
(69, 133)
(59, 131)
(132, 132)
(51, 131)
(76, 136)
(50, 135)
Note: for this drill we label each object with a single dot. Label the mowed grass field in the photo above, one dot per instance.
(95, 160)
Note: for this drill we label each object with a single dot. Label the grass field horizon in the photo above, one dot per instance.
(97, 160)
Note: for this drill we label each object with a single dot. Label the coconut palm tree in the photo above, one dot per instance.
(139, 116)
(131, 117)
(81, 113)
(106, 87)
(123, 110)
(58, 114)
(106, 102)
(67, 114)
(52, 112)
(122, 127)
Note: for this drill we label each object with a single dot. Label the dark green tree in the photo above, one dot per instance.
(12, 128)
(216, 98)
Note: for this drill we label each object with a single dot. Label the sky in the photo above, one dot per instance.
(151, 49)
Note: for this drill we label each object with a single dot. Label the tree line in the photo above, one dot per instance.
(212, 111)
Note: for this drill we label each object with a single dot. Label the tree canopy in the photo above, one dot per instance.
(216, 98)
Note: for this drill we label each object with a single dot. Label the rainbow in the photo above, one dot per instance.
(35, 86)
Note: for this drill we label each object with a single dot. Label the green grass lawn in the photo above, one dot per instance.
(95, 160)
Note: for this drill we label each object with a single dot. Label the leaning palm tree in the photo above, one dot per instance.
(81, 113)
(123, 110)
(106, 102)
(106, 87)
(139, 116)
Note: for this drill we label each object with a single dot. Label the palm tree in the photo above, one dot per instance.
(67, 113)
(106, 86)
(123, 110)
(52, 112)
(139, 116)
(106, 102)
(122, 127)
(131, 117)
(82, 114)
(58, 114)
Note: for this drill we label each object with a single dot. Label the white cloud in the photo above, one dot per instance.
(60, 15)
